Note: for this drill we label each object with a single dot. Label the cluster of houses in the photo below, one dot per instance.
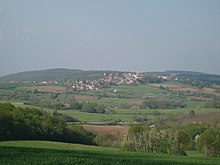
(85, 85)
(123, 78)
(109, 79)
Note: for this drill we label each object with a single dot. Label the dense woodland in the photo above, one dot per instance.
(24, 123)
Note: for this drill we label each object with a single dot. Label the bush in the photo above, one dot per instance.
(92, 108)
(209, 142)
(66, 118)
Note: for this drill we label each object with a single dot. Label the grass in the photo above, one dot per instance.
(54, 145)
(56, 153)
(194, 153)
(124, 114)
(96, 117)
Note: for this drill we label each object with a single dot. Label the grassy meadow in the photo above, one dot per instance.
(56, 153)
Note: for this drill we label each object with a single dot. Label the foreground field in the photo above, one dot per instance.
(41, 152)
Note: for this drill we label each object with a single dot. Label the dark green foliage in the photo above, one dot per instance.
(25, 123)
(152, 79)
(193, 130)
(92, 108)
(209, 142)
(191, 113)
(76, 105)
(179, 142)
(162, 104)
(66, 118)
(6, 107)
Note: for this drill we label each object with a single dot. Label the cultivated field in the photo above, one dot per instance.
(41, 152)
(45, 88)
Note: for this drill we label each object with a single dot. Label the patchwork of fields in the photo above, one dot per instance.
(122, 105)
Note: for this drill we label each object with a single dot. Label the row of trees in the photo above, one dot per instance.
(174, 141)
(81, 106)
(213, 104)
(161, 104)
(25, 123)
(195, 82)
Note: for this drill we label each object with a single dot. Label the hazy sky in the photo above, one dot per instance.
(131, 35)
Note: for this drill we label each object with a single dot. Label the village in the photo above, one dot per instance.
(129, 78)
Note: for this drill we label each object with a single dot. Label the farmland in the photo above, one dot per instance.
(45, 88)
(115, 116)
(42, 152)
(121, 102)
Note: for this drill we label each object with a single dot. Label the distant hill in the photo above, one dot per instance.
(59, 74)
(195, 75)
(62, 75)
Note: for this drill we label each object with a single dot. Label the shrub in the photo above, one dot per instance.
(209, 142)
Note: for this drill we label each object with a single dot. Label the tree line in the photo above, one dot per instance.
(18, 123)
(161, 104)
(201, 137)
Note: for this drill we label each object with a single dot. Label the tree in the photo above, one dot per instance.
(180, 141)
(209, 142)
(191, 113)
(147, 139)
(88, 107)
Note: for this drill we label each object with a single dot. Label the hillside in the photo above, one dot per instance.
(59, 74)
(63, 75)
(212, 78)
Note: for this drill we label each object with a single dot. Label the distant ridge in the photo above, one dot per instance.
(178, 72)
(58, 74)
(213, 78)
(63, 75)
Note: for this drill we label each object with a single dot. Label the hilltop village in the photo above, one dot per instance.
(117, 79)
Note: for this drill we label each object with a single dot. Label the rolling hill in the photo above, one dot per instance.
(59, 74)
(212, 78)
(63, 74)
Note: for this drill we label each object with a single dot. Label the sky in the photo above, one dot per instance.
(126, 35)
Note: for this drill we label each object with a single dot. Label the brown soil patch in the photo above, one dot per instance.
(45, 88)
(210, 91)
(135, 102)
(169, 85)
(106, 129)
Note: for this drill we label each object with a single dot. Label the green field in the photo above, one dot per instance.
(56, 153)
(127, 115)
